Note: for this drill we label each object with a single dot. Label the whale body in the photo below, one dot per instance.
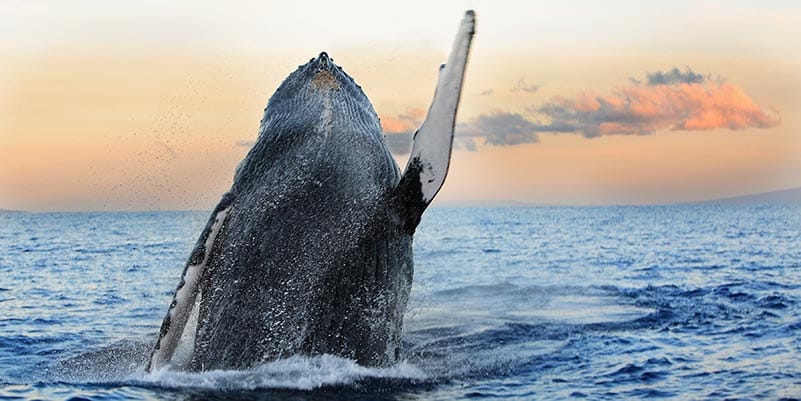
(310, 251)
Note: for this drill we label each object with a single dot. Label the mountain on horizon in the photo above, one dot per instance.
(784, 196)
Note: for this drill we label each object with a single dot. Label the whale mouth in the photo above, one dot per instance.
(323, 62)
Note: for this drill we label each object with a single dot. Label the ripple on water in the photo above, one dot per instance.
(529, 303)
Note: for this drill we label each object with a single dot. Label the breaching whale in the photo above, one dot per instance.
(310, 251)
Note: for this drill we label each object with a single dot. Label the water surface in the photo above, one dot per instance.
(676, 302)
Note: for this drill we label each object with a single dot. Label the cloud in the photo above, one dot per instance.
(398, 130)
(637, 110)
(403, 123)
(467, 144)
(497, 128)
(521, 85)
(500, 128)
(674, 76)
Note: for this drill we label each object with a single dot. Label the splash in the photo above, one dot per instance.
(294, 373)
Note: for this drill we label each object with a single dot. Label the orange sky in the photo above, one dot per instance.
(95, 116)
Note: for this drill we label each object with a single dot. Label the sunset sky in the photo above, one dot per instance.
(149, 105)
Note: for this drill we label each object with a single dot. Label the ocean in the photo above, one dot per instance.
(550, 303)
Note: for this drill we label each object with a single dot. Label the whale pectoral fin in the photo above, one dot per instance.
(431, 152)
(185, 294)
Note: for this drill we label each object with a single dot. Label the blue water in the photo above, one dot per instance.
(675, 302)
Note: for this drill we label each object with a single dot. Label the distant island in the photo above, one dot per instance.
(11, 211)
(785, 196)
(781, 197)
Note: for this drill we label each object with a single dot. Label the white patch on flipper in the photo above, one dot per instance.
(432, 142)
(184, 300)
(182, 357)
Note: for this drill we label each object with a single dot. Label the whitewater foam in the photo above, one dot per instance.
(294, 373)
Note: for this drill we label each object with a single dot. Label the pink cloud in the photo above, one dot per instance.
(646, 109)
(403, 123)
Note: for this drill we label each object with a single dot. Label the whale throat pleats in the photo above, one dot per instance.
(185, 294)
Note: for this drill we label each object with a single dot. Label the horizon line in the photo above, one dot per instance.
(510, 203)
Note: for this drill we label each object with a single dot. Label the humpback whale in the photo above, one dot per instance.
(310, 251)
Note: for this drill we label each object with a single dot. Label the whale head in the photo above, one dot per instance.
(319, 93)
(318, 112)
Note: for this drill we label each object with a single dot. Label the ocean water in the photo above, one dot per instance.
(551, 303)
